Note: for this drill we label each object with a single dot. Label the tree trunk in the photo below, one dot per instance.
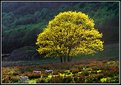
(68, 55)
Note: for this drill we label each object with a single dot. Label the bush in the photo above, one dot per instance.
(23, 53)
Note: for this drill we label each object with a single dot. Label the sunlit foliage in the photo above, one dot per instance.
(68, 34)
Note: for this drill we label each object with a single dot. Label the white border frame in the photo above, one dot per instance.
(60, 2)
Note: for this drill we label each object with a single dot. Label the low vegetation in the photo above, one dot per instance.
(91, 71)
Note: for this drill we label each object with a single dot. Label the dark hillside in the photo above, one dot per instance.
(23, 21)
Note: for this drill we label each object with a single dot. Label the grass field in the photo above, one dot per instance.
(102, 67)
(111, 52)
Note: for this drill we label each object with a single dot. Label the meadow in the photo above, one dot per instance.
(102, 67)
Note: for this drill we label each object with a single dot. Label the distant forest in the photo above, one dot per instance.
(23, 21)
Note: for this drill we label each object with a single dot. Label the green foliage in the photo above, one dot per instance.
(32, 81)
(103, 80)
(98, 71)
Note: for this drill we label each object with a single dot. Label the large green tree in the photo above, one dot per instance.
(68, 34)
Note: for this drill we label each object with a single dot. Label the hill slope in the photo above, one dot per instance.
(22, 22)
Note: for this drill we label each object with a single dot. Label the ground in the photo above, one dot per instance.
(102, 67)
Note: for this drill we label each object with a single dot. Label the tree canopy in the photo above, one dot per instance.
(68, 34)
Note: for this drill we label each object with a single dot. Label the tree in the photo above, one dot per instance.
(68, 34)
